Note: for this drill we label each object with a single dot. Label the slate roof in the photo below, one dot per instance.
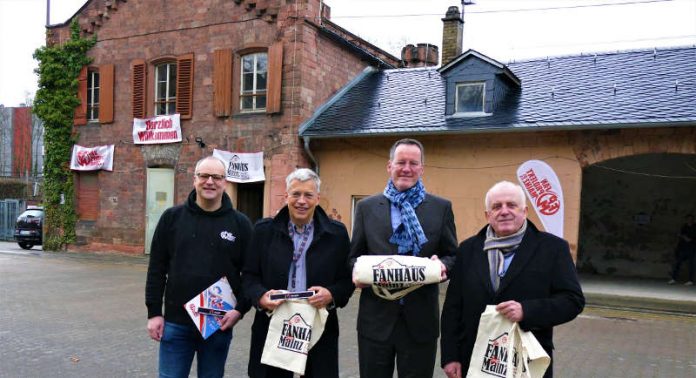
(642, 88)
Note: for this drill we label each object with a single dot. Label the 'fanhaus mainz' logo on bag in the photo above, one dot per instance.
(496, 356)
(391, 274)
(295, 335)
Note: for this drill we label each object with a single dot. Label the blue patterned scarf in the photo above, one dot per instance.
(409, 236)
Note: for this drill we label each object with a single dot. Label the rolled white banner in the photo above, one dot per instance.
(396, 271)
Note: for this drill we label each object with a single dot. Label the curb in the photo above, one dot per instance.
(640, 303)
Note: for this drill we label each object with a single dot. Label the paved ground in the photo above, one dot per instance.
(80, 315)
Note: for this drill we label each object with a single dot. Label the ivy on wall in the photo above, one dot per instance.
(55, 103)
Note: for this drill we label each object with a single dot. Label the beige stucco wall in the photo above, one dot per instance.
(460, 168)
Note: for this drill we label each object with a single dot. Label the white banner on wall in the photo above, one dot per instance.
(544, 191)
(242, 166)
(92, 158)
(157, 130)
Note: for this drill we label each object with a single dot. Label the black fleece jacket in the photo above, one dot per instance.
(191, 249)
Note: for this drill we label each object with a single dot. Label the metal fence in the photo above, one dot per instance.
(9, 211)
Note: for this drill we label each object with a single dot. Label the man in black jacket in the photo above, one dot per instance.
(299, 249)
(194, 245)
(527, 273)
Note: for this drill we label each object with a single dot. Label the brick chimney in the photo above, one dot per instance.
(325, 11)
(422, 55)
(452, 34)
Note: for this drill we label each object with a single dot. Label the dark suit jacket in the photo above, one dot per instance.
(267, 267)
(541, 277)
(371, 232)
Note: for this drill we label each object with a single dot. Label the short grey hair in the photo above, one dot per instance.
(302, 175)
(211, 157)
(506, 185)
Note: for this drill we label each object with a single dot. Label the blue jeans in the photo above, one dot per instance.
(180, 342)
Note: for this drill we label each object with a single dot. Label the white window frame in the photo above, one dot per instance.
(166, 99)
(482, 84)
(92, 105)
(354, 199)
(255, 92)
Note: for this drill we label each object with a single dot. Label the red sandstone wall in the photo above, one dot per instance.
(314, 68)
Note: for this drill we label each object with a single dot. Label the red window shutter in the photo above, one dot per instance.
(81, 110)
(222, 82)
(139, 89)
(106, 93)
(88, 196)
(184, 86)
(275, 77)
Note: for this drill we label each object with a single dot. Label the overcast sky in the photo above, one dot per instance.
(502, 29)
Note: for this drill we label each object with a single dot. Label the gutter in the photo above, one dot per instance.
(514, 128)
(311, 155)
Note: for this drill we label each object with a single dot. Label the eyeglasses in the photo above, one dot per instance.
(206, 176)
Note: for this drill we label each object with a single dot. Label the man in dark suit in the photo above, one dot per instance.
(527, 273)
(299, 249)
(403, 220)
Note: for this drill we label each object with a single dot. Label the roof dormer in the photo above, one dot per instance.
(476, 85)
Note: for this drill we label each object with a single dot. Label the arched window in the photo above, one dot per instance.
(93, 96)
(165, 88)
(254, 79)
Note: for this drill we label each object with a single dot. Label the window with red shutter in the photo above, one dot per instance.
(275, 77)
(139, 90)
(81, 110)
(165, 88)
(184, 86)
(222, 82)
(253, 82)
(106, 101)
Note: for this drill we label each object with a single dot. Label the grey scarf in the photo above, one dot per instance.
(498, 248)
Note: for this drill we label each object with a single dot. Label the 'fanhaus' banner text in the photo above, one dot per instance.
(242, 166)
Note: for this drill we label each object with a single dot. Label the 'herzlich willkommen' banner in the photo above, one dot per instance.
(92, 158)
(157, 130)
(544, 191)
(242, 166)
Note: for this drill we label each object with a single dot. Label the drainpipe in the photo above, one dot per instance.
(311, 156)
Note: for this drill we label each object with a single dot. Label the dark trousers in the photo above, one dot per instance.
(688, 257)
(413, 359)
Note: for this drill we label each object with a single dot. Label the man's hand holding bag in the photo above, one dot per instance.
(502, 349)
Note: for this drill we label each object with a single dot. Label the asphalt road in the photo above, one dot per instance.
(83, 315)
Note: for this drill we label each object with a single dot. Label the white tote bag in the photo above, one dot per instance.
(503, 350)
(394, 276)
(294, 329)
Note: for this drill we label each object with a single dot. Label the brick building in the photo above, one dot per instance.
(21, 143)
(243, 75)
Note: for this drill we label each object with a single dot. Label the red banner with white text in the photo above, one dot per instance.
(92, 158)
